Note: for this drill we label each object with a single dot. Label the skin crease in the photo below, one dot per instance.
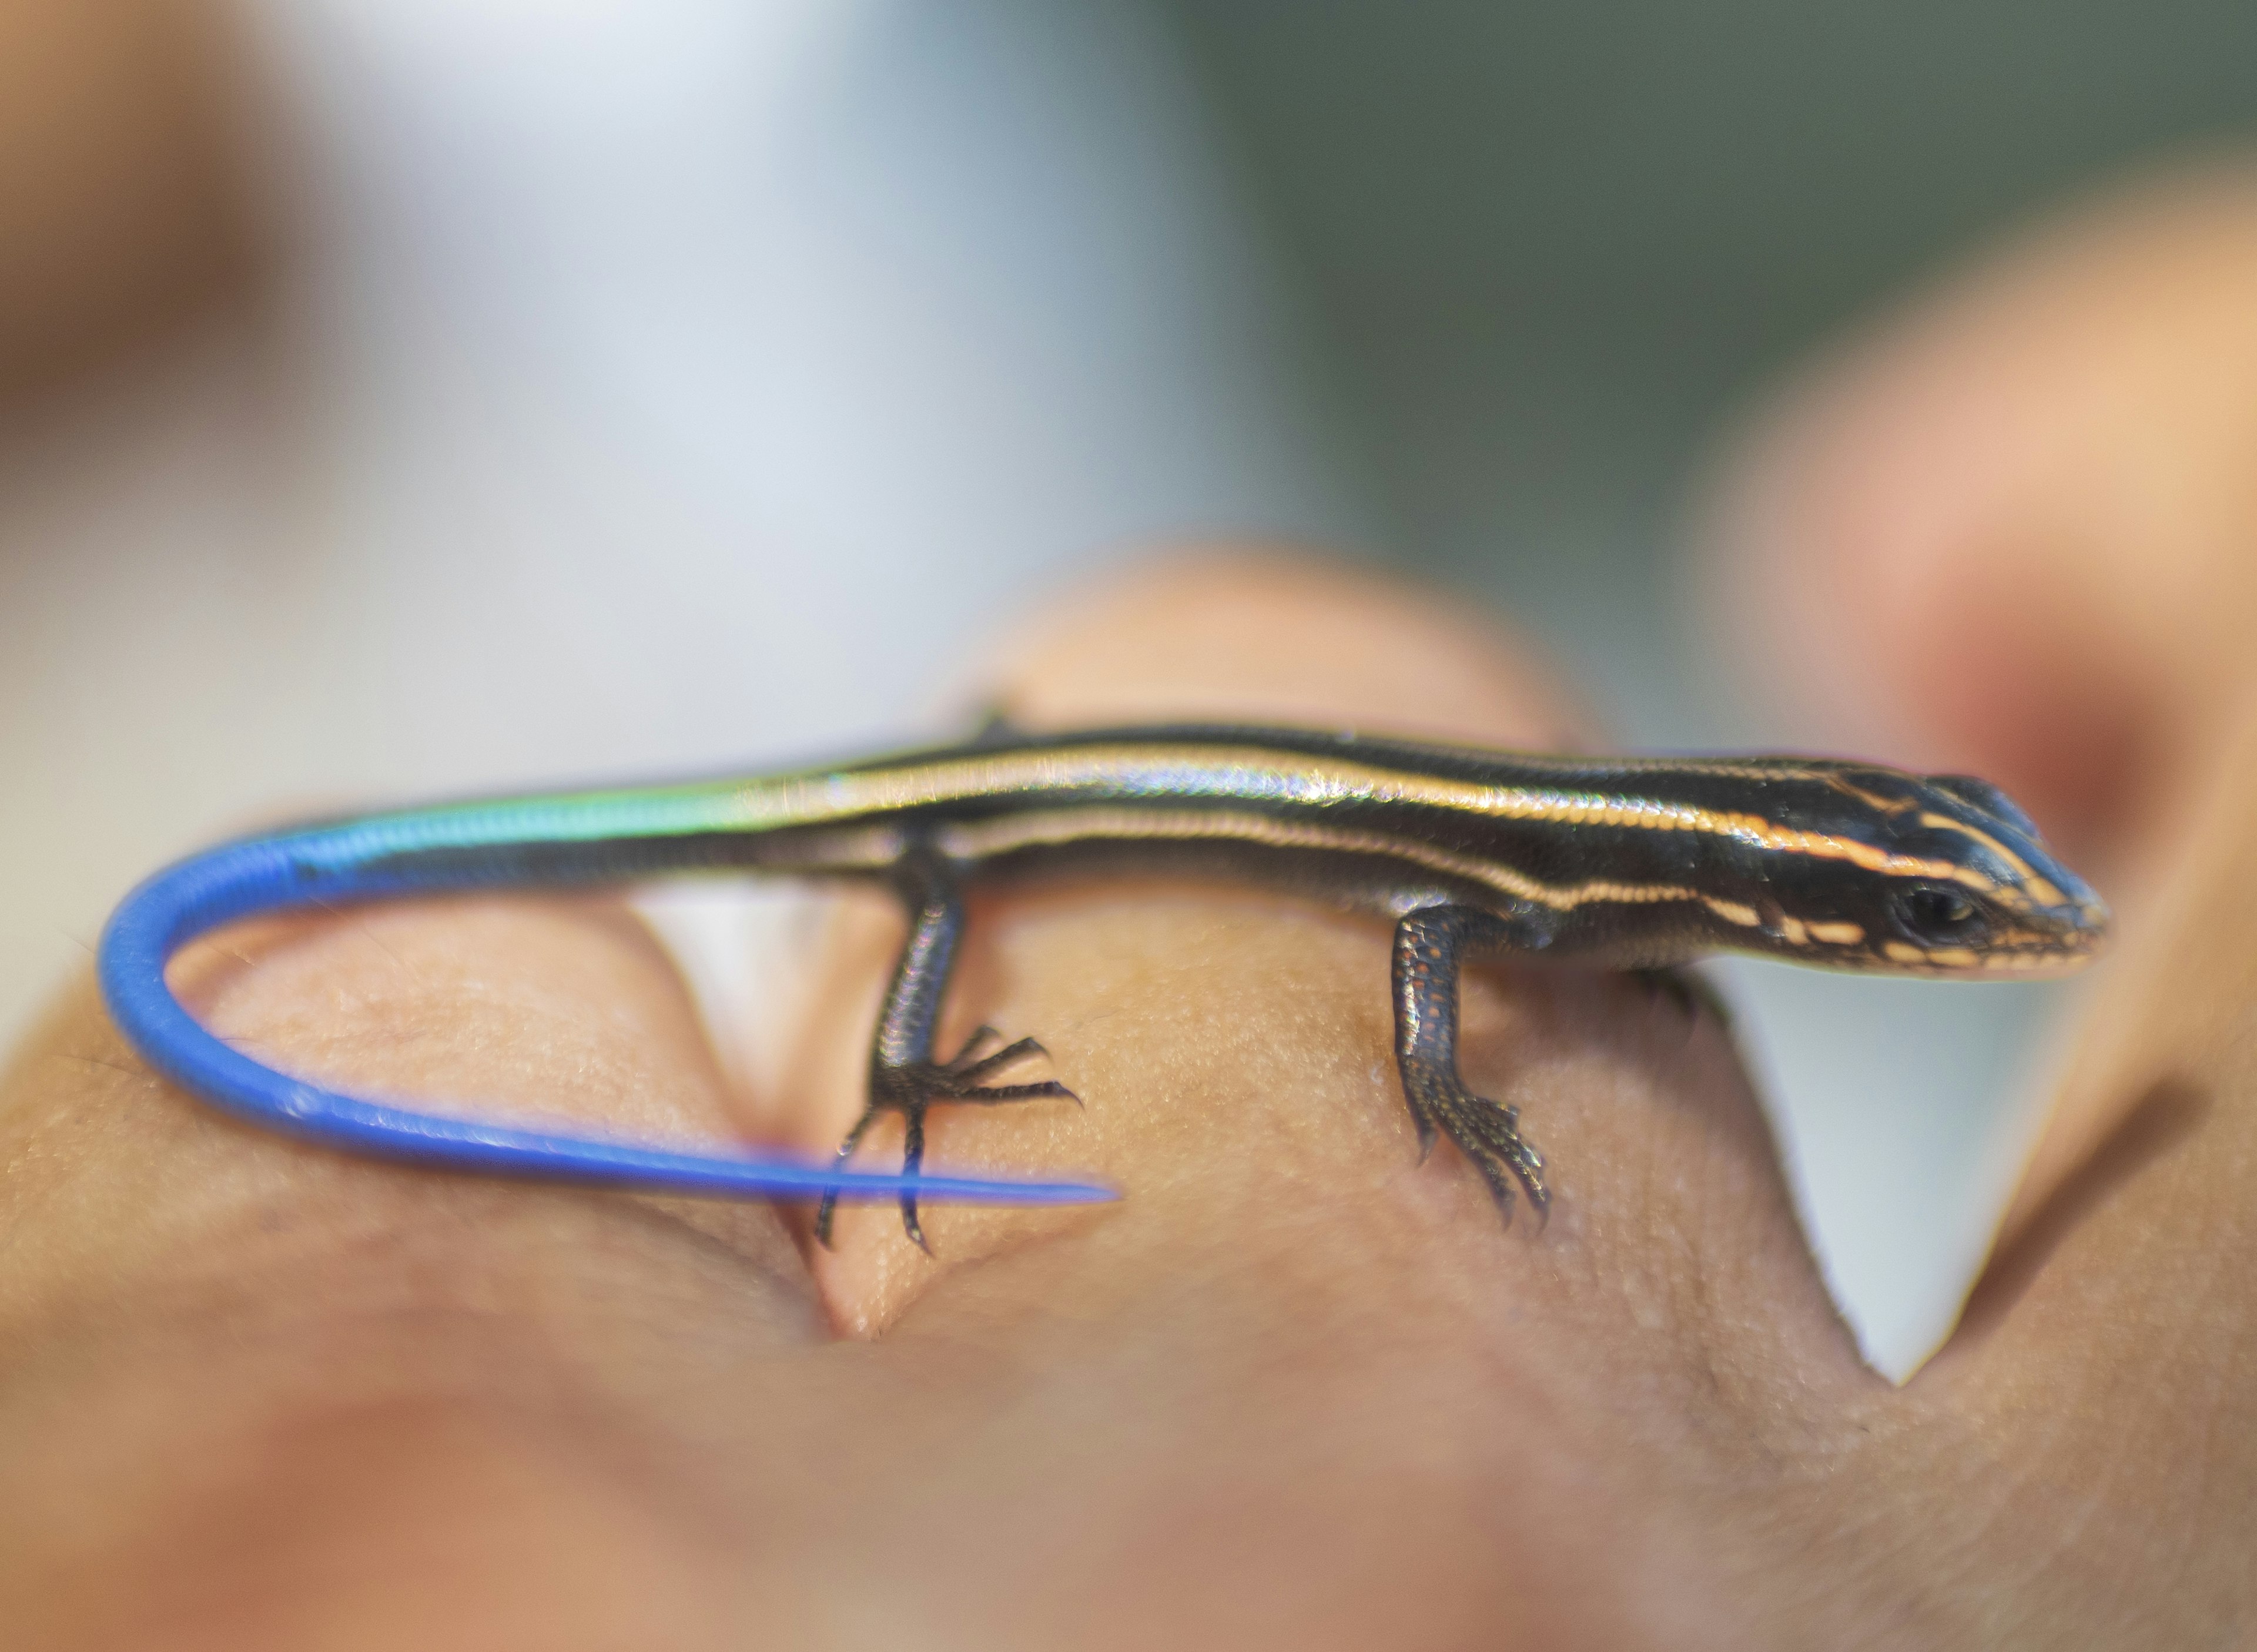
(1296, 1389)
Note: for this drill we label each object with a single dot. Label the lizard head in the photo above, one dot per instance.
(1910, 874)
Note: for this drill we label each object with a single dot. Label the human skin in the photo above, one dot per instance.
(123, 216)
(1295, 1388)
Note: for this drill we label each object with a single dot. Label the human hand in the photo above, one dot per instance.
(1296, 1389)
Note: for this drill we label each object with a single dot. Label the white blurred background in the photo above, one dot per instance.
(407, 398)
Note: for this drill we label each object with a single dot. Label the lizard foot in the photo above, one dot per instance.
(1489, 1137)
(910, 1088)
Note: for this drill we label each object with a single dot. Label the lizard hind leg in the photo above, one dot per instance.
(1430, 945)
(904, 1076)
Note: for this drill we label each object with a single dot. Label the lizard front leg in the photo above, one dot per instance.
(1430, 948)
(904, 1076)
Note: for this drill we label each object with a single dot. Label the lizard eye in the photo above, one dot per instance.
(1938, 913)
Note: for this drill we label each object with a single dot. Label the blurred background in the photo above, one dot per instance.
(399, 396)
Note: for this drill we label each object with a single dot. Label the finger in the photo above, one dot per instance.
(1269, 1348)
(195, 1314)
(1234, 1047)
(2007, 532)
(2105, 1360)
(1235, 638)
(1280, 638)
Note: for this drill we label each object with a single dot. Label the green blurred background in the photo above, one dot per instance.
(1551, 249)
